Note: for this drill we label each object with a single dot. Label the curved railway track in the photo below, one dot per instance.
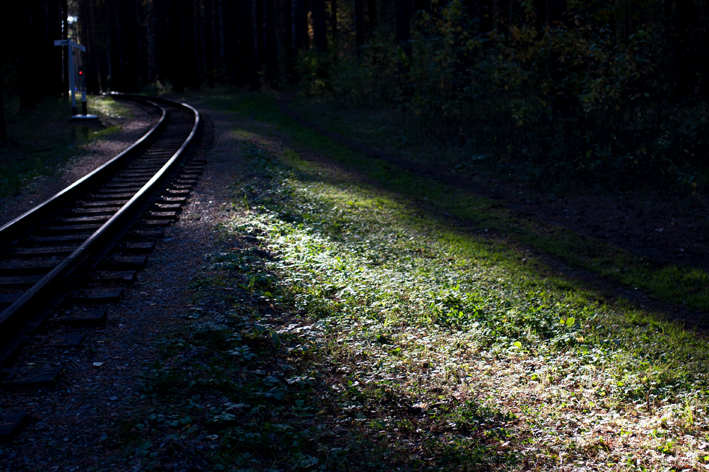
(66, 258)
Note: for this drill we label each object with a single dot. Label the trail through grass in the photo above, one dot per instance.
(684, 284)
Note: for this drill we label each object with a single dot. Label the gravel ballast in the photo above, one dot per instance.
(70, 425)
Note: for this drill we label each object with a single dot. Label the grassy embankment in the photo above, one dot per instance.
(374, 326)
(43, 140)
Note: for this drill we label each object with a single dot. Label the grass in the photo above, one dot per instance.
(365, 330)
(43, 140)
(672, 282)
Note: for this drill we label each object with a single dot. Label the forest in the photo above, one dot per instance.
(431, 235)
(584, 90)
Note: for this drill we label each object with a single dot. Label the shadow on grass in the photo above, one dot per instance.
(274, 393)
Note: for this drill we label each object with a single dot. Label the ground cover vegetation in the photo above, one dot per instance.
(450, 170)
(30, 155)
(346, 325)
(365, 316)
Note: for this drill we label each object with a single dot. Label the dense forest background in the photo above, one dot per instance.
(589, 90)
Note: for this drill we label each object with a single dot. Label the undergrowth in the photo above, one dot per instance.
(341, 327)
(442, 319)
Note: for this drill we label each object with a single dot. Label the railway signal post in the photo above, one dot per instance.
(76, 78)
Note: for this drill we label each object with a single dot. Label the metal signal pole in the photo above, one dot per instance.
(76, 74)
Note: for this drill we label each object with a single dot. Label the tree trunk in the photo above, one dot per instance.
(245, 10)
(319, 25)
(495, 15)
(260, 35)
(359, 24)
(222, 55)
(372, 15)
(686, 49)
(3, 127)
(403, 25)
(287, 40)
(232, 57)
(189, 63)
(333, 20)
(301, 39)
(94, 80)
(54, 32)
(175, 48)
(270, 42)
(65, 56)
(26, 50)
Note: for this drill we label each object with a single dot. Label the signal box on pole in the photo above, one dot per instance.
(77, 80)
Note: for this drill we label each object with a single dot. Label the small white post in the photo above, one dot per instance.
(73, 78)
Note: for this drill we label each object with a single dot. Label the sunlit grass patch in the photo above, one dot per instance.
(667, 281)
(454, 342)
(105, 105)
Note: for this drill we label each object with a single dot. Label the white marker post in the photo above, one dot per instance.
(75, 69)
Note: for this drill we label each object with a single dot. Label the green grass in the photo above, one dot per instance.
(44, 140)
(365, 330)
(671, 282)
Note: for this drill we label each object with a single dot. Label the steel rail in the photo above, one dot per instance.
(24, 223)
(28, 309)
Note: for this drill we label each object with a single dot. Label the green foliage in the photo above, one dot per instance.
(339, 328)
(588, 100)
(312, 68)
(392, 297)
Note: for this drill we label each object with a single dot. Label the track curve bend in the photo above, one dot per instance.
(46, 252)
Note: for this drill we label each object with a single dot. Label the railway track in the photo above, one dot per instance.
(64, 261)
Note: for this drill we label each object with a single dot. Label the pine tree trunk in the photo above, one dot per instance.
(403, 25)
(372, 15)
(246, 38)
(270, 42)
(333, 19)
(65, 56)
(287, 39)
(319, 25)
(300, 25)
(27, 83)
(359, 24)
(3, 126)
(260, 35)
